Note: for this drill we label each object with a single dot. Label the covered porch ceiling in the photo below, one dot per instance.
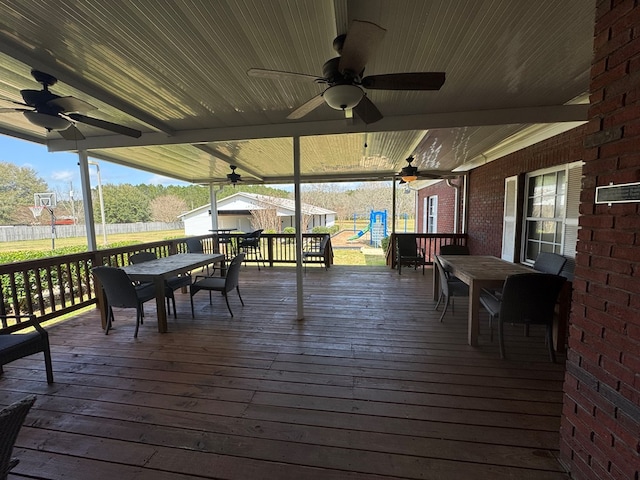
(516, 72)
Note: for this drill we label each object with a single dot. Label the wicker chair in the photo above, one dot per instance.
(318, 252)
(171, 284)
(120, 292)
(249, 243)
(527, 298)
(449, 287)
(220, 284)
(194, 245)
(13, 347)
(549, 263)
(11, 420)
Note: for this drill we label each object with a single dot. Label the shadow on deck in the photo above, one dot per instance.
(369, 385)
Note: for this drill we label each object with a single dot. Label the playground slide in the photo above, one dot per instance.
(359, 234)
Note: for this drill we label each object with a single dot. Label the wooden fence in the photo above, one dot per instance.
(20, 233)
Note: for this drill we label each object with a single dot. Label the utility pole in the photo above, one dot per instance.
(104, 225)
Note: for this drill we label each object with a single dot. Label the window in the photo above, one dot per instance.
(432, 214)
(551, 212)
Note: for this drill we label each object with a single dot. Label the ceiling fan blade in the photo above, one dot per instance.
(405, 81)
(113, 127)
(306, 107)
(5, 99)
(362, 40)
(367, 111)
(71, 104)
(281, 75)
(9, 109)
(71, 133)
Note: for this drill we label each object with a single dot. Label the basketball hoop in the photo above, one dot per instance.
(36, 210)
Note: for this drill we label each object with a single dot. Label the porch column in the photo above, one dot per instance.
(298, 224)
(85, 182)
(214, 206)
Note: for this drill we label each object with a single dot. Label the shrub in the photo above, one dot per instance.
(289, 230)
(320, 229)
(384, 243)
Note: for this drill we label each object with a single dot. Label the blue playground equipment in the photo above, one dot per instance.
(377, 226)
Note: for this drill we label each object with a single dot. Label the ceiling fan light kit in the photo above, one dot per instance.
(343, 97)
(409, 173)
(233, 177)
(50, 122)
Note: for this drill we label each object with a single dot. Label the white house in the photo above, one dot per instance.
(234, 212)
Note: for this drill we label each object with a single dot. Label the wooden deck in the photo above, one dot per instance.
(368, 386)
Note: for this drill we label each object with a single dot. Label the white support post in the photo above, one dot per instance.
(85, 184)
(298, 222)
(214, 207)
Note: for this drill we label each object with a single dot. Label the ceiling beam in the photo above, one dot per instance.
(526, 115)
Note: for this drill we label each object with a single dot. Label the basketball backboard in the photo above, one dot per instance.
(45, 199)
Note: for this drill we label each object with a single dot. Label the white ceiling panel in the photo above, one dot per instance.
(177, 71)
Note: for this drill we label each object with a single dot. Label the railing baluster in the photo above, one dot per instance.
(69, 290)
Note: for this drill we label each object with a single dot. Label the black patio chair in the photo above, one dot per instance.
(249, 243)
(194, 245)
(11, 420)
(527, 298)
(121, 292)
(317, 251)
(225, 244)
(408, 253)
(220, 284)
(454, 250)
(450, 287)
(171, 284)
(15, 344)
(549, 263)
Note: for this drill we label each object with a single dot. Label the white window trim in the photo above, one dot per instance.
(432, 199)
(565, 221)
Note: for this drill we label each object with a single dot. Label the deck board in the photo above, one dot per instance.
(368, 386)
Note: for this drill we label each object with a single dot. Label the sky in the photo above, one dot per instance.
(61, 172)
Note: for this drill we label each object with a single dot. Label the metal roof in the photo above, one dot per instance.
(176, 70)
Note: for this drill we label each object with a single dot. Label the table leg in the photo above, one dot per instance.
(474, 313)
(160, 306)
(436, 283)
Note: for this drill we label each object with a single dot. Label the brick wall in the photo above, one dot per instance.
(486, 185)
(600, 432)
(446, 206)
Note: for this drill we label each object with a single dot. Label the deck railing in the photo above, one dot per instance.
(429, 243)
(55, 286)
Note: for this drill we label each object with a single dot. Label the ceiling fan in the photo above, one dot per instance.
(233, 177)
(56, 113)
(346, 88)
(409, 173)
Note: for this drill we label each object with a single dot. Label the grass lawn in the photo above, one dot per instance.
(45, 245)
(341, 256)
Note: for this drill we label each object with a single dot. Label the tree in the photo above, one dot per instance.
(122, 204)
(17, 186)
(166, 208)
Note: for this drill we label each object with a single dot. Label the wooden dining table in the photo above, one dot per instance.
(478, 272)
(158, 270)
